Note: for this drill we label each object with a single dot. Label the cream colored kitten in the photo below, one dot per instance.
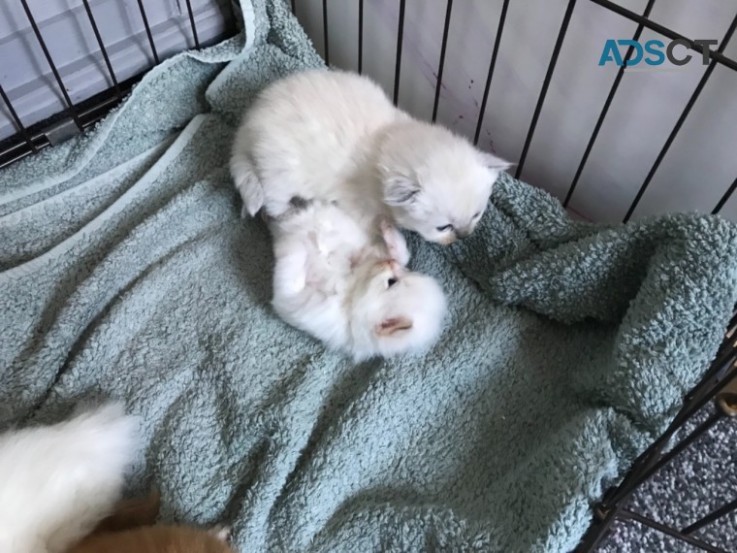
(334, 135)
(57, 482)
(348, 287)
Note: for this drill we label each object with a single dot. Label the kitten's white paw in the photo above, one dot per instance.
(220, 532)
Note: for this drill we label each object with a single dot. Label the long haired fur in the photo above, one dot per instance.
(349, 287)
(334, 135)
(57, 482)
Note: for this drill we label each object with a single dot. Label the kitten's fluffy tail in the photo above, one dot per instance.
(247, 183)
(59, 481)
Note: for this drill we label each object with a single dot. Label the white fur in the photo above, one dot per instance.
(348, 286)
(335, 135)
(57, 482)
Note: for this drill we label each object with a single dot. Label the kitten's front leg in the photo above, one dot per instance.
(247, 183)
(394, 241)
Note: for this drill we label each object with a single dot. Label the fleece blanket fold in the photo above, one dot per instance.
(125, 272)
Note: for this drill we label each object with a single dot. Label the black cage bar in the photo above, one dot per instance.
(150, 36)
(71, 110)
(607, 105)
(101, 44)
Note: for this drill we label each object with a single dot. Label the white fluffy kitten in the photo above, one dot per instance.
(335, 135)
(57, 482)
(348, 287)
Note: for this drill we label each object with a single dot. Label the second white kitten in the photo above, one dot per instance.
(348, 287)
(333, 135)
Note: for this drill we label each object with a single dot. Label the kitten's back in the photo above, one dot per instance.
(307, 133)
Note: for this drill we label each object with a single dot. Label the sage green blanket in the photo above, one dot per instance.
(126, 272)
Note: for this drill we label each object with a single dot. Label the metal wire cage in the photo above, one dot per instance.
(719, 383)
(76, 117)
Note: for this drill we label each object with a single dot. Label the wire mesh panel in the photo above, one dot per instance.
(66, 85)
(525, 80)
(74, 61)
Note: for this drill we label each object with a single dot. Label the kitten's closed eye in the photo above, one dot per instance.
(444, 228)
(477, 215)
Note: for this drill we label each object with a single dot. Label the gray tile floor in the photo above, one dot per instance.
(701, 479)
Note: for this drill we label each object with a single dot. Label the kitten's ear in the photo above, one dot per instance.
(399, 190)
(392, 325)
(494, 162)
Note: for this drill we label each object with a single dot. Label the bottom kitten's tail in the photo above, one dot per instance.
(59, 481)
